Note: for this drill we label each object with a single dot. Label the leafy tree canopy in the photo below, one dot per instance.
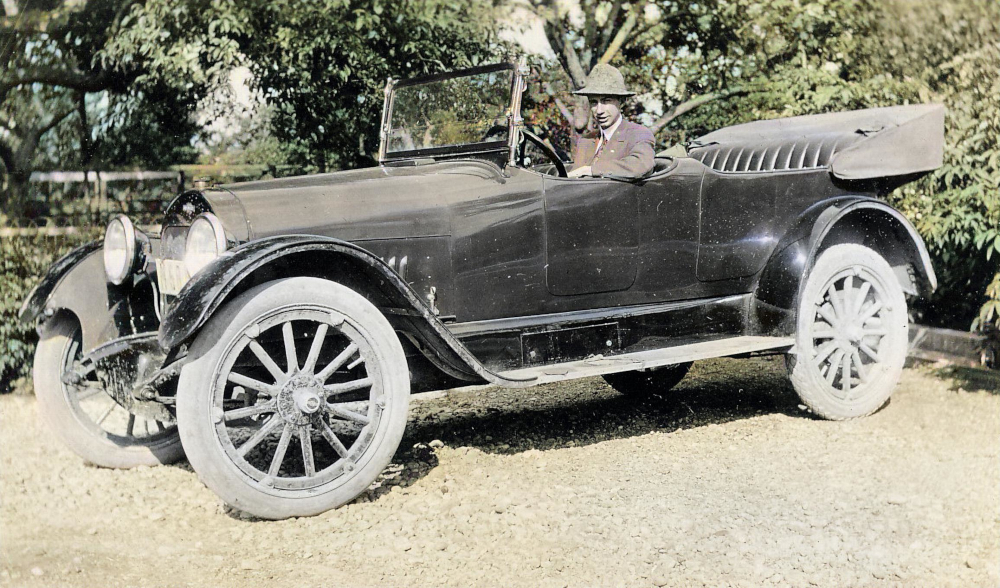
(114, 83)
(61, 107)
(320, 66)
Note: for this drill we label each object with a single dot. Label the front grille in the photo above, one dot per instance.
(171, 279)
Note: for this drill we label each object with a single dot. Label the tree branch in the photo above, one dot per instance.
(84, 82)
(621, 36)
(20, 160)
(559, 103)
(689, 105)
(556, 33)
(55, 121)
(564, 111)
(590, 30)
(86, 148)
(609, 28)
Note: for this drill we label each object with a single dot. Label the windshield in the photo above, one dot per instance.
(452, 111)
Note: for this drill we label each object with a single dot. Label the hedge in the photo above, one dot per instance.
(24, 259)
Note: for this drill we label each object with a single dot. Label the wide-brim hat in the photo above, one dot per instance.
(604, 80)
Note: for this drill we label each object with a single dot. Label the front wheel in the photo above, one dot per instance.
(297, 398)
(851, 337)
(73, 402)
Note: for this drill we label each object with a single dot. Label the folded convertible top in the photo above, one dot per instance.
(859, 144)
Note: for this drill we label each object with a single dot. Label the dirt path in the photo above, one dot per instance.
(722, 482)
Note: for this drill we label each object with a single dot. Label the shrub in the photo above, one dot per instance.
(24, 259)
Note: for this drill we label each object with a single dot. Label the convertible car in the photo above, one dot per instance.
(273, 331)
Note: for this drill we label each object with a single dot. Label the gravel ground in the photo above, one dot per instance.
(724, 481)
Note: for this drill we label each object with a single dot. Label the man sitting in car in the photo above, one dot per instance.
(623, 148)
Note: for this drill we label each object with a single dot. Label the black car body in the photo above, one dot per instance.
(492, 268)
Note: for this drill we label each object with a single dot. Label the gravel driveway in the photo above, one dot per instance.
(722, 482)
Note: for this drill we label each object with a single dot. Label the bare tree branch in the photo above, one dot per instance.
(620, 38)
(86, 147)
(564, 111)
(689, 105)
(609, 28)
(20, 159)
(58, 118)
(590, 31)
(559, 103)
(556, 33)
(85, 82)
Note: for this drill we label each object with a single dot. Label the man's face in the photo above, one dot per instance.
(605, 109)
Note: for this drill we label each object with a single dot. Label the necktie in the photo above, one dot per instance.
(600, 147)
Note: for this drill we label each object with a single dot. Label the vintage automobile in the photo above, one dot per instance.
(276, 329)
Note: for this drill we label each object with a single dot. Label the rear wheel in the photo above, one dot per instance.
(297, 398)
(648, 382)
(72, 401)
(851, 337)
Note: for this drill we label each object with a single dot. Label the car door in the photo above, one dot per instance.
(498, 245)
(590, 233)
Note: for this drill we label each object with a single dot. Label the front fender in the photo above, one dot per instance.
(77, 283)
(870, 221)
(34, 304)
(261, 260)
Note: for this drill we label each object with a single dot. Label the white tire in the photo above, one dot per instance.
(851, 337)
(310, 434)
(84, 417)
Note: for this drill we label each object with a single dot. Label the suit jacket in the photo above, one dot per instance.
(629, 153)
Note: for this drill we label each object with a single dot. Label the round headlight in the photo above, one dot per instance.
(206, 240)
(119, 249)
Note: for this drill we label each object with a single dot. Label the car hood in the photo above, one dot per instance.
(365, 204)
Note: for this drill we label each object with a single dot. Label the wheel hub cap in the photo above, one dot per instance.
(299, 399)
(307, 401)
(854, 334)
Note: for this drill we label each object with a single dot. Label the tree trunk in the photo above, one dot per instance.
(16, 197)
(580, 124)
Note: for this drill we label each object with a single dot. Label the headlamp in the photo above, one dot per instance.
(120, 250)
(206, 240)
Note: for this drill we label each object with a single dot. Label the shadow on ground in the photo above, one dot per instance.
(583, 412)
(966, 379)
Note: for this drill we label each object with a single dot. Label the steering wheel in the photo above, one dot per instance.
(548, 151)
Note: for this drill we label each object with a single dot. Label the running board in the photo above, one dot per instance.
(644, 360)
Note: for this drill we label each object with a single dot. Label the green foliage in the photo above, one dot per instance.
(951, 54)
(320, 66)
(63, 108)
(23, 260)
(252, 143)
(327, 89)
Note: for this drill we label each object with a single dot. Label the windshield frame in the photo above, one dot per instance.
(496, 149)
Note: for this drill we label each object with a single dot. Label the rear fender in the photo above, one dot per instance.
(285, 256)
(848, 219)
